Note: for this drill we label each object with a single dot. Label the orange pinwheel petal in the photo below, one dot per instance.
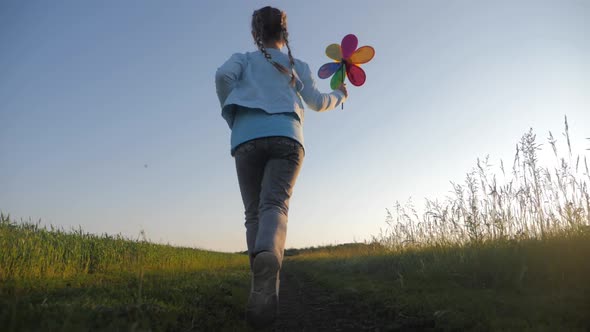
(362, 55)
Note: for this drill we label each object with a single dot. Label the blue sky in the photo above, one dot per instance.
(92, 92)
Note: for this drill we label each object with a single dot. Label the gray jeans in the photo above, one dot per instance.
(267, 170)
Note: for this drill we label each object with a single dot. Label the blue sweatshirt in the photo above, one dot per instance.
(252, 123)
(258, 101)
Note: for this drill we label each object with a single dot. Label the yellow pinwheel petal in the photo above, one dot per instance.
(362, 55)
(334, 52)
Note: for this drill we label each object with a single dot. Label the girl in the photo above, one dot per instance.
(260, 94)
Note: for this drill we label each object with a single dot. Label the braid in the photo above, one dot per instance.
(291, 60)
(285, 34)
(263, 49)
(259, 32)
(258, 28)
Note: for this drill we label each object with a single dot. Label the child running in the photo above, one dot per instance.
(261, 96)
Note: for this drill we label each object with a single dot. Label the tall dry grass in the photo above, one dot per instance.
(529, 201)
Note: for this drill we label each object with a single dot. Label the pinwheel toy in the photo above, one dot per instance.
(347, 59)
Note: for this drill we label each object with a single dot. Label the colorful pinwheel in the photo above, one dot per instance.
(346, 56)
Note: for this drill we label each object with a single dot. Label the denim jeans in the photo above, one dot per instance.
(267, 170)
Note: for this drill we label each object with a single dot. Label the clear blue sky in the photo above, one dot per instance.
(90, 92)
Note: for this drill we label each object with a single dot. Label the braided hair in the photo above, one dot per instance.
(270, 24)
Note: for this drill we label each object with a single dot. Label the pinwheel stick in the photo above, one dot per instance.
(342, 105)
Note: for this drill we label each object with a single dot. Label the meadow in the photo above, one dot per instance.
(506, 251)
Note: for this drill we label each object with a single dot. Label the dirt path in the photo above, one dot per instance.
(304, 306)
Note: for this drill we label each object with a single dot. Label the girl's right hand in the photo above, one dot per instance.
(342, 88)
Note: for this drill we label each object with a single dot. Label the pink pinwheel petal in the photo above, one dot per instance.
(349, 44)
(328, 69)
(355, 74)
(362, 55)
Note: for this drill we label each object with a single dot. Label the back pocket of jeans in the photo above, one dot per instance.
(246, 147)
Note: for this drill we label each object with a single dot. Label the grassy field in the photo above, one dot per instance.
(536, 285)
(53, 280)
(503, 253)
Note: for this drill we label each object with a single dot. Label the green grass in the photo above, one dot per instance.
(31, 251)
(53, 280)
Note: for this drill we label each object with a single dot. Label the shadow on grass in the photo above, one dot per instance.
(496, 285)
(156, 301)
